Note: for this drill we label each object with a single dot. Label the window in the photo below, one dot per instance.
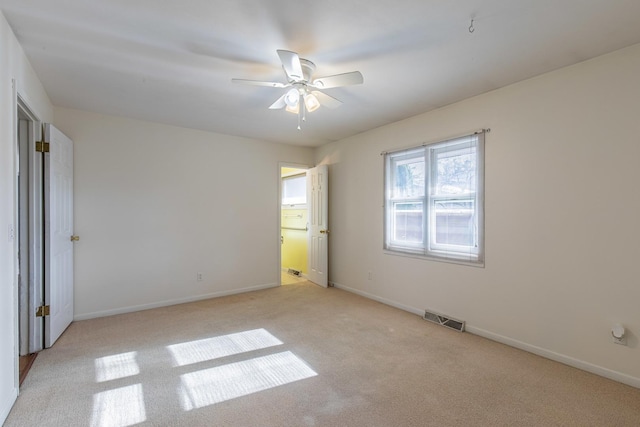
(294, 190)
(434, 200)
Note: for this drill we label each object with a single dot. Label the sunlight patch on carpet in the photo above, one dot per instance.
(226, 345)
(209, 386)
(119, 407)
(116, 366)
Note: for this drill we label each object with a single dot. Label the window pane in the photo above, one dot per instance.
(434, 200)
(294, 190)
(454, 224)
(456, 170)
(407, 222)
(408, 177)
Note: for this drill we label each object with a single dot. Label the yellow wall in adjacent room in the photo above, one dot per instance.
(294, 242)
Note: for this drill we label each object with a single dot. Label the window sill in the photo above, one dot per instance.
(478, 264)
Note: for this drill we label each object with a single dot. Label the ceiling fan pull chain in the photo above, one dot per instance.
(304, 108)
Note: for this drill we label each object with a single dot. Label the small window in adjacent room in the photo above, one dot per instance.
(294, 190)
(434, 200)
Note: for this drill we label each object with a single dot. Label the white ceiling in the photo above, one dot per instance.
(171, 61)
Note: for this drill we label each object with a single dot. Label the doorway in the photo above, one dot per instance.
(29, 236)
(293, 225)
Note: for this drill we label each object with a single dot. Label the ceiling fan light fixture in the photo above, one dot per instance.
(293, 109)
(292, 98)
(311, 102)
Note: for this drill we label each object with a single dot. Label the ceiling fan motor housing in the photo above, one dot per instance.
(308, 68)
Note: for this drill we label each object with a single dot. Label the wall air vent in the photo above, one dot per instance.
(447, 321)
(294, 272)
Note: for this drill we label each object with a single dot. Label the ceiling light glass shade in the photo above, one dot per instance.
(292, 98)
(311, 102)
(295, 109)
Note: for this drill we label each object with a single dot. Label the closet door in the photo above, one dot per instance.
(58, 201)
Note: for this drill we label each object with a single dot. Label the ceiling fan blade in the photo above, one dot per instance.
(326, 100)
(259, 83)
(280, 103)
(337, 80)
(291, 64)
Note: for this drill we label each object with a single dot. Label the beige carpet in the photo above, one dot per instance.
(301, 355)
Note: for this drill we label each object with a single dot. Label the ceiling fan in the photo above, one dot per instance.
(305, 94)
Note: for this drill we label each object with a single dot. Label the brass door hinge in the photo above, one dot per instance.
(42, 147)
(42, 311)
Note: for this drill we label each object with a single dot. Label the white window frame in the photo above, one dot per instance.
(427, 246)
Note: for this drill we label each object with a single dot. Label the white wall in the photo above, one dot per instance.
(562, 216)
(156, 204)
(13, 66)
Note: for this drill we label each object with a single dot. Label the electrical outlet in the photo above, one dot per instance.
(199, 277)
(621, 341)
(619, 334)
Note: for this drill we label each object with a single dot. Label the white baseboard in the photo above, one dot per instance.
(570, 361)
(380, 299)
(7, 404)
(567, 360)
(132, 308)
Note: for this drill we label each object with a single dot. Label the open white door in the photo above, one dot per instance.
(58, 201)
(318, 205)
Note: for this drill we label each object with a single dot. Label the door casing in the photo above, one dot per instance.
(280, 166)
(30, 233)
